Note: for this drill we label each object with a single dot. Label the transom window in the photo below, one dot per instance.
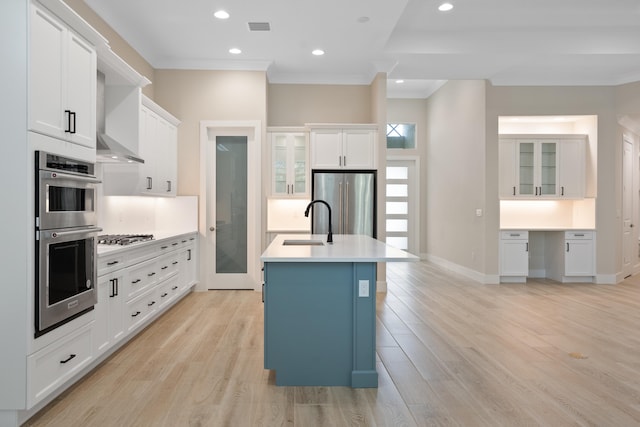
(401, 136)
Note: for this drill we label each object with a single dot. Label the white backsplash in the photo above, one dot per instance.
(148, 215)
(287, 215)
(548, 214)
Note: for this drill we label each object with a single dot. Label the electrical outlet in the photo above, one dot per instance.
(363, 288)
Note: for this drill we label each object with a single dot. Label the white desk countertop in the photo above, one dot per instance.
(345, 248)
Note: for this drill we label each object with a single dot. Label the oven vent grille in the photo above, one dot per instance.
(259, 26)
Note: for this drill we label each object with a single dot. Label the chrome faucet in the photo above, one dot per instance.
(306, 213)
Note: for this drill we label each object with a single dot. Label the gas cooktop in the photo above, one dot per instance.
(123, 239)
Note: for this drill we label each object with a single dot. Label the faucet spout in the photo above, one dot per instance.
(306, 213)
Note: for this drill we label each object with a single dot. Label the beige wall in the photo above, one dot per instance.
(456, 175)
(295, 105)
(193, 96)
(119, 46)
(414, 111)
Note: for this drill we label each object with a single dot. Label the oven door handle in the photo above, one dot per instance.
(57, 175)
(66, 233)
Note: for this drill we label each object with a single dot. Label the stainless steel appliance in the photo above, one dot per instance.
(66, 238)
(123, 239)
(352, 197)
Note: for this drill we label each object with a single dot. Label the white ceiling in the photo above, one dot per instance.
(509, 42)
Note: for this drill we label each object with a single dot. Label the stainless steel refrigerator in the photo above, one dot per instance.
(352, 197)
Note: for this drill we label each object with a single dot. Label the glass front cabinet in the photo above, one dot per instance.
(529, 168)
(289, 164)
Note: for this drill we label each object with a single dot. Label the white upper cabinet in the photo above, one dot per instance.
(289, 164)
(62, 81)
(542, 166)
(343, 148)
(158, 147)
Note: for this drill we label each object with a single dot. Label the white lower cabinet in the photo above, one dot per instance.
(514, 255)
(52, 366)
(135, 285)
(573, 256)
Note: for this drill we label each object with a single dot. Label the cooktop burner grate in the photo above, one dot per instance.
(123, 239)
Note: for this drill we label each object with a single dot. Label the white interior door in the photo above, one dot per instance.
(232, 206)
(629, 249)
(402, 204)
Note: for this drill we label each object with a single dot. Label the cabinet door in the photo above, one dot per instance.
(167, 149)
(514, 258)
(81, 91)
(279, 164)
(526, 169)
(579, 258)
(148, 151)
(299, 171)
(547, 169)
(571, 168)
(326, 149)
(358, 149)
(507, 171)
(46, 74)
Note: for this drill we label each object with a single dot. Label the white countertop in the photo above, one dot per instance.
(547, 229)
(157, 237)
(345, 248)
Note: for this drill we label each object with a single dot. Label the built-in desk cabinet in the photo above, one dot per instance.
(564, 256)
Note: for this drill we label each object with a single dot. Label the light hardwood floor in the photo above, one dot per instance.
(450, 352)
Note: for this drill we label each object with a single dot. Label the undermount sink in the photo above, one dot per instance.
(302, 242)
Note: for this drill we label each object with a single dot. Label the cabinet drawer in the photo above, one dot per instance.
(142, 277)
(514, 235)
(107, 264)
(168, 265)
(141, 308)
(58, 362)
(578, 235)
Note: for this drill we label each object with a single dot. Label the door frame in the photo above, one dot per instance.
(254, 188)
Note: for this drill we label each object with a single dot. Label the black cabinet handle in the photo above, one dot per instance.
(113, 262)
(174, 262)
(263, 292)
(164, 247)
(174, 288)
(184, 241)
(135, 281)
(149, 183)
(514, 190)
(68, 114)
(72, 114)
(164, 295)
(151, 303)
(526, 247)
(117, 287)
(136, 314)
(168, 186)
(174, 244)
(189, 255)
(164, 268)
(192, 238)
(567, 246)
(562, 191)
(68, 359)
(113, 288)
(153, 273)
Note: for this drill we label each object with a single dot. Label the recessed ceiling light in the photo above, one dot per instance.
(399, 81)
(235, 51)
(221, 14)
(445, 7)
(318, 52)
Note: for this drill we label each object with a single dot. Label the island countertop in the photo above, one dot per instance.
(345, 248)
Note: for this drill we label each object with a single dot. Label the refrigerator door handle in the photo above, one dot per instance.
(340, 211)
(346, 207)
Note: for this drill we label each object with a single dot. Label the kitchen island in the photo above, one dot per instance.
(320, 308)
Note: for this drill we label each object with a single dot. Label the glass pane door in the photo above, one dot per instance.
(525, 164)
(231, 204)
(548, 168)
(280, 164)
(300, 164)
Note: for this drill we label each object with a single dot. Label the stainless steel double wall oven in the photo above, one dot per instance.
(66, 238)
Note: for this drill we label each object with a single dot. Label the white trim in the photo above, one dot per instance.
(609, 279)
(254, 218)
(487, 279)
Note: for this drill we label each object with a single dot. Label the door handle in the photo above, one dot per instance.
(212, 229)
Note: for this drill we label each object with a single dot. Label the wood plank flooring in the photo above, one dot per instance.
(451, 352)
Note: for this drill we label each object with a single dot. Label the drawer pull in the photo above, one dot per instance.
(164, 247)
(578, 234)
(174, 244)
(136, 314)
(135, 281)
(174, 288)
(174, 262)
(68, 359)
(184, 241)
(514, 234)
(153, 273)
(113, 262)
(192, 238)
(151, 303)
(164, 295)
(164, 268)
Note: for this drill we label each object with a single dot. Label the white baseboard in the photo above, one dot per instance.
(487, 279)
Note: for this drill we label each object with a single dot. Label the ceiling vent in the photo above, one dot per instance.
(259, 26)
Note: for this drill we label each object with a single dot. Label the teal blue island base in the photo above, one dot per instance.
(320, 323)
